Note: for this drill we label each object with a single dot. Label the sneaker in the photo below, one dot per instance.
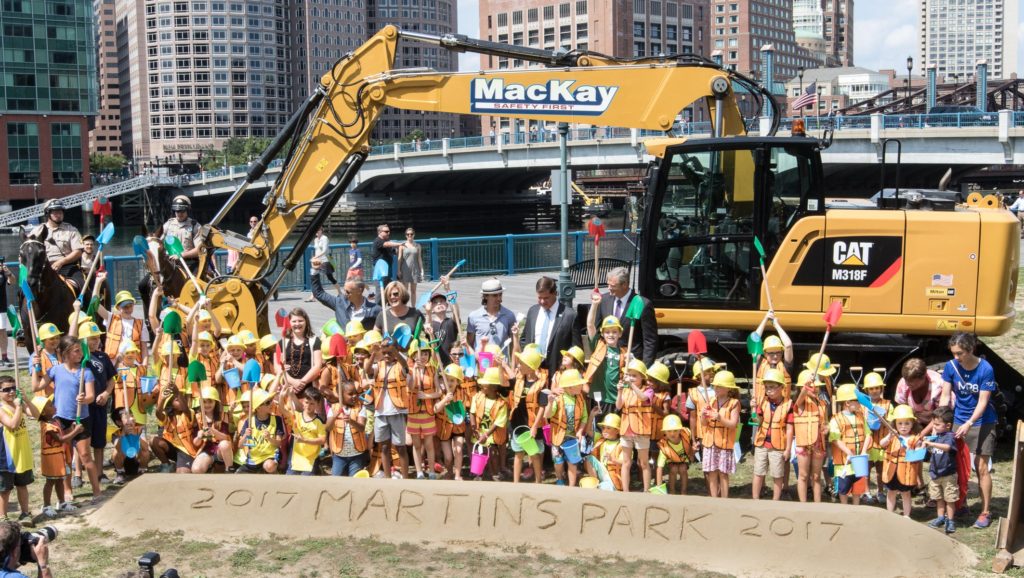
(49, 512)
(104, 479)
(379, 475)
(983, 521)
(560, 482)
(25, 519)
(867, 499)
(67, 507)
(950, 527)
(76, 482)
(6, 363)
(164, 469)
(395, 475)
(119, 480)
(938, 522)
(420, 476)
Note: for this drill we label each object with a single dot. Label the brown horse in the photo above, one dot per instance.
(53, 295)
(171, 278)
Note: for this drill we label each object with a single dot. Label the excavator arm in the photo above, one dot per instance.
(327, 140)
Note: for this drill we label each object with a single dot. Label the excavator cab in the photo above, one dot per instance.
(707, 201)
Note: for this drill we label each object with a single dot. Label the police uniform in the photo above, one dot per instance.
(187, 232)
(60, 242)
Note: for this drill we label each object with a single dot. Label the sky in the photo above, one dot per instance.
(885, 33)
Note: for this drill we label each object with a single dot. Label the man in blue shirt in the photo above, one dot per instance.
(10, 552)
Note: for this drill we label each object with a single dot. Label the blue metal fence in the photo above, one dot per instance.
(485, 255)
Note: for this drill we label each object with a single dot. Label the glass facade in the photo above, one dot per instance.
(66, 147)
(49, 57)
(23, 152)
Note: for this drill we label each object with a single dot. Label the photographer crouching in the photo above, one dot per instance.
(17, 548)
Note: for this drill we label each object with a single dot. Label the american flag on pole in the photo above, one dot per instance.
(810, 96)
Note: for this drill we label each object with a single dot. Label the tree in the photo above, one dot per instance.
(103, 163)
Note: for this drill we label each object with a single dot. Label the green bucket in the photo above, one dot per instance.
(525, 440)
(456, 412)
(661, 489)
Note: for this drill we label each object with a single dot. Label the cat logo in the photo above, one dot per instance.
(853, 254)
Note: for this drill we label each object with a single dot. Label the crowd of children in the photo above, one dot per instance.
(358, 402)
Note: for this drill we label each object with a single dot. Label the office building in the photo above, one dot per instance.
(322, 32)
(740, 28)
(825, 29)
(47, 95)
(105, 134)
(955, 34)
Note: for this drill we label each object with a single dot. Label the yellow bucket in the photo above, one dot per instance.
(589, 482)
(362, 474)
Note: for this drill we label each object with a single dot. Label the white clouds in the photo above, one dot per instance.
(885, 33)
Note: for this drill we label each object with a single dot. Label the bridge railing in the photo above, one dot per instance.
(496, 255)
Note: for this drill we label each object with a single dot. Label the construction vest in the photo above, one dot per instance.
(523, 386)
(532, 403)
(500, 434)
(609, 453)
(671, 455)
(336, 439)
(716, 434)
(116, 331)
(878, 434)
(773, 423)
(560, 420)
(597, 359)
(854, 435)
(47, 362)
(896, 464)
(762, 366)
(55, 456)
(178, 431)
(807, 420)
(392, 378)
(636, 413)
(656, 416)
(425, 378)
(127, 385)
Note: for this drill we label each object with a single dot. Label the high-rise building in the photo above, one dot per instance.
(199, 72)
(105, 134)
(740, 28)
(323, 32)
(47, 95)
(437, 17)
(620, 28)
(955, 34)
(825, 29)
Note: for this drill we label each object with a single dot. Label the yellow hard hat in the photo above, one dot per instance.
(611, 322)
(245, 397)
(454, 371)
(267, 381)
(574, 352)
(248, 337)
(89, 329)
(81, 316)
(267, 341)
(414, 346)
(825, 368)
(354, 329)
(362, 474)
(671, 423)
(773, 343)
(206, 336)
(903, 412)
(204, 315)
(259, 397)
(637, 366)
(705, 364)
(210, 393)
(129, 347)
(49, 331)
(659, 372)
(533, 347)
(123, 296)
(372, 337)
(873, 380)
(589, 482)
(725, 379)
(531, 358)
(235, 341)
(39, 402)
(846, 392)
(361, 346)
(493, 349)
(805, 376)
(571, 378)
(774, 375)
(325, 349)
(491, 377)
(170, 348)
(611, 420)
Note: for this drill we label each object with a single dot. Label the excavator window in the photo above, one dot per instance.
(709, 203)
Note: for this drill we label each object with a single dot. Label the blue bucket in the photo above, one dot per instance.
(861, 466)
(571, 449)
(147, 383)
(233, 378)
(130, 445)
(916, 455)
(873, 422)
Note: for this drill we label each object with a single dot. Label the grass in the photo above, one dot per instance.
(82, 550)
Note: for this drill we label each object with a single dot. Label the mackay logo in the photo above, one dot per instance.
(870, 261)
(552, 97)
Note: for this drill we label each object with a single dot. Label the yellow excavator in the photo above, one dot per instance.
(905, 275)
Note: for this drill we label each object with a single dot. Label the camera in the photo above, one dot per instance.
(147, 566)
(30, 539)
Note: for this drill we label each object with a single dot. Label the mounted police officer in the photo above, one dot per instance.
(185, 228)
(63, 242)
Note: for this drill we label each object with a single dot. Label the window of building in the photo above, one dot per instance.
(66, 143)
(639, 49)
(531, 15)
(502, 19)
(549, 12)
(581, 7)
(639, 30)
(563, 10)
(655, 31)
(517, 17)
(23, 152)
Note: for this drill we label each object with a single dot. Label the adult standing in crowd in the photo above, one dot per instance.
(616, 302)
(549, 324)
(321, 253)
(397, 311)
(351, 305)
(920, 388)
(972, 381)
(492, 322)
(410, 262)
(384, 248)
(301, 359)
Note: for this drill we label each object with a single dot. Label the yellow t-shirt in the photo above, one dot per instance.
(19, 446)
(485, 422)
(304, 454)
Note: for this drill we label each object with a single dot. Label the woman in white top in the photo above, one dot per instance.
(410, 262)
(321, 255)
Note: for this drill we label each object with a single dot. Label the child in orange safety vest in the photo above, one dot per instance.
(849, 436)
(810, 425)
(719, 420)
(488, 415)
(899, 475)
(122, 326)
(634, 403)
(773, 435)
(567, 415)
(675, 452)
(874, 386)
(608, 451)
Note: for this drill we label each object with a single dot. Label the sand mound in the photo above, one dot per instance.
(735, 536)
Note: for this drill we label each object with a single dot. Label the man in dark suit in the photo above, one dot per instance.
(616, 301)
(550, 324)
